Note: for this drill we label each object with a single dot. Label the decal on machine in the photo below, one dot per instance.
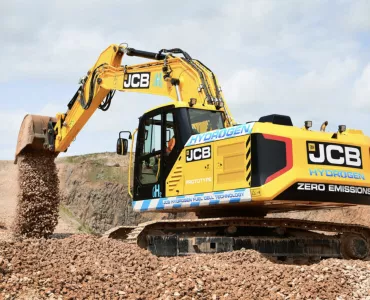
(198, 180)
(194, 200)
(336, 174)
(336, 188)
(156, 191)
(197, 154)
(220, 134)
(326, 193)
(158, 79)
(321, 153)
(140, 80)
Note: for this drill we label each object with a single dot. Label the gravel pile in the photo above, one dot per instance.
(86, 267)
(38, 198)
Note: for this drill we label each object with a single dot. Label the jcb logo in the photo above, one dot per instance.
(136, 81)
(197, 154)
(334, 155)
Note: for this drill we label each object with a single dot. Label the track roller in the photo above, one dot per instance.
(354, 246)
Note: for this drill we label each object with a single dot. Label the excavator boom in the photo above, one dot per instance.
(178, 78)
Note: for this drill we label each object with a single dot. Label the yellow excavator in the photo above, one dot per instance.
(191, 156)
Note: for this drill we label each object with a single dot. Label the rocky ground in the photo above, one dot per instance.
(72, 265)
(86, 267)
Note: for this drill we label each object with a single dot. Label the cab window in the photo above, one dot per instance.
(170, 133)
(151, 150)
(205, 120)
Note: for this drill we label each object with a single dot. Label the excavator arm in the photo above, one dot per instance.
(171, 73)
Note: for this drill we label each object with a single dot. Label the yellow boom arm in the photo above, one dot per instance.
(180, 78)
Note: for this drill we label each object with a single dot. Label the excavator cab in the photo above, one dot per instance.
(162, 135)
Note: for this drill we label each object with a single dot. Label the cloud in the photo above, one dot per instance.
(11, 122)
(309, 61)
(358, 17)
(315, 91)
(362, 90)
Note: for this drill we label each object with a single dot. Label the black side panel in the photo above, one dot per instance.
(183, 127)
(183, 133)
(268, 157)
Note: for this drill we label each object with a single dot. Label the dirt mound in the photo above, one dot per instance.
(84, 267)
(38, 197)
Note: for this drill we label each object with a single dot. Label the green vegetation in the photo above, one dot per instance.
(98, 172)
(86, 229)
(84, 158)
(64, 211)
(98, 167)
(67, 214)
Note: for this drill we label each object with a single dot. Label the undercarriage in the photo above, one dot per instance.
(278, 238)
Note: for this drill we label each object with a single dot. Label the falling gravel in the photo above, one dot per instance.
(87, 267)
(38, 197)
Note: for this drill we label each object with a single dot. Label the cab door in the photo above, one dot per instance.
(148, 154)
(156, 152)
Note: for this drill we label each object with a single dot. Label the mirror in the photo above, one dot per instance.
(122, 146)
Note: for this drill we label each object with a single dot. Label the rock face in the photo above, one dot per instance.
(94, 189)
(38, 197)
(100, 206)
(86, 267)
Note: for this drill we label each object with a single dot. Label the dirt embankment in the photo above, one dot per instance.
(94, 189)
(8, 192)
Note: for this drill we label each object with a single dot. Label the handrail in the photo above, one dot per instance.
(130, 164)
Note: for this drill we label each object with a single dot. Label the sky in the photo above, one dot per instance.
(307, 59)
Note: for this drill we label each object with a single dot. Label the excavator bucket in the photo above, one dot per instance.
(35, 135)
